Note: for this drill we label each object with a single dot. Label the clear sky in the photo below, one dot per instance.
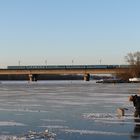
(36, 32)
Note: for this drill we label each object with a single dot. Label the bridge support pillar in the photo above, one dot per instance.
(30, 77)
(33, 77)
(87, 77)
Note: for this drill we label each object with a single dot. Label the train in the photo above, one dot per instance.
(64, 67)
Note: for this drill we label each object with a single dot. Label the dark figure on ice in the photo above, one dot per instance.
(136, 131)
(136, 102)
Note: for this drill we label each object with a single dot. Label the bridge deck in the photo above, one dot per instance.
(66, 71)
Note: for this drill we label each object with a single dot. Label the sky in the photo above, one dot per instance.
(61, 32)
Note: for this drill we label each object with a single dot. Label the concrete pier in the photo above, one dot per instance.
(30, 77)
(33, 77)
(86, 77)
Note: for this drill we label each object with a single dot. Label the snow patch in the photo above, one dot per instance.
(11, 123)
(86, 132)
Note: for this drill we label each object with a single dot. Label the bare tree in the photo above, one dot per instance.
(133, 59)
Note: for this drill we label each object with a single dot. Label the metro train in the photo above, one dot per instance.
(64, 67)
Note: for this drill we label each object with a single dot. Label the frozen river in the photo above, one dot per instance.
(73, 110)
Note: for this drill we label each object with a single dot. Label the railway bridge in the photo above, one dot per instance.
(86, 71)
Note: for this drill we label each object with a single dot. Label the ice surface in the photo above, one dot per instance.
(76, 107)
(53, 120)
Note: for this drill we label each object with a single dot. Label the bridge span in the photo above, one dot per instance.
(33, 73)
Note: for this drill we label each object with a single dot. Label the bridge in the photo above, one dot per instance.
(86, 70)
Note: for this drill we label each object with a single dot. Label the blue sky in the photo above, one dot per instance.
(61, 31)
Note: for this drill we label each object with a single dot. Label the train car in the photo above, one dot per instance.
(56, 67)
(112, 66)
(75, 67)
(16, 67)
(35, 67)
(96, 66)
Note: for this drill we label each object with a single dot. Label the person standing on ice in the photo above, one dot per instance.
(136, 102)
